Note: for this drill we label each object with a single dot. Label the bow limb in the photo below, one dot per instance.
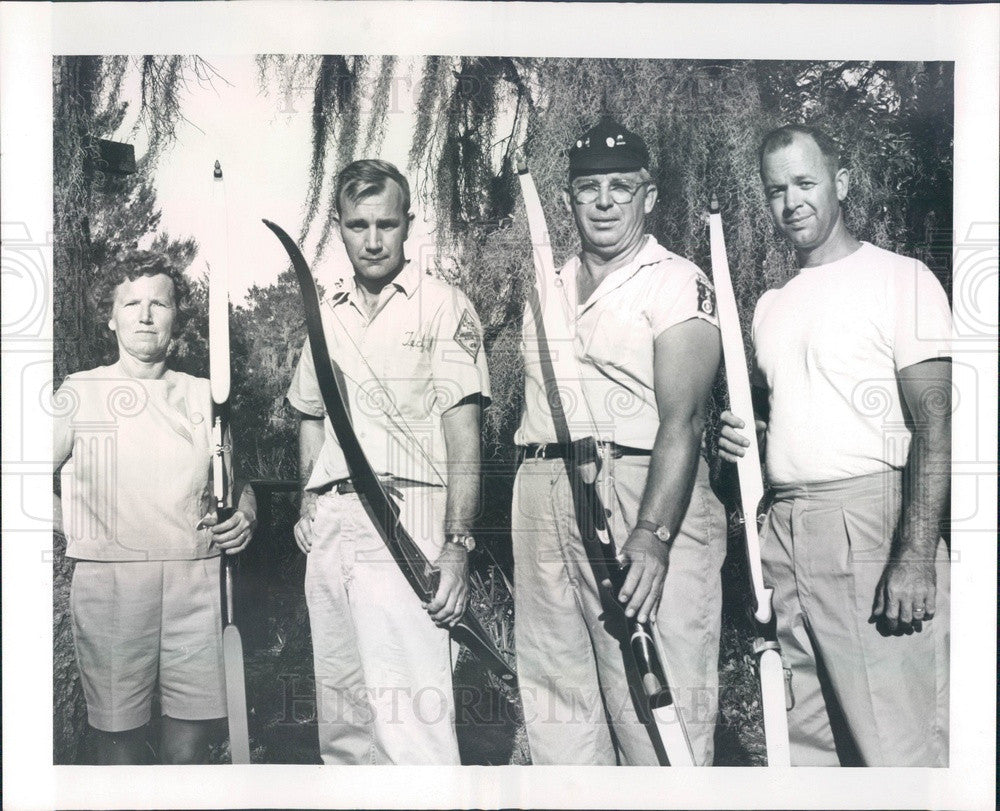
(773, 680)
(549, 308)
(219, 374)
(218, 345)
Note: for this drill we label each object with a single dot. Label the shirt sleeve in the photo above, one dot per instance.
(303, 392)
(458, 362)
(757, 378)
(680, 294)
(65, 406)
(922, 317)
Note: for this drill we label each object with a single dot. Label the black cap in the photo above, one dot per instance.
(608, 147)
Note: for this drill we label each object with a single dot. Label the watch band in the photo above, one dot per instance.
(658, 530)
(465, 540)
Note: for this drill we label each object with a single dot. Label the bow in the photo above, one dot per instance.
(219, 374)
(775, 692)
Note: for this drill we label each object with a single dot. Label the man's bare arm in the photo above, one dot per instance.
(460, 425)
(908, 586)
(685, 361)
(311, 437)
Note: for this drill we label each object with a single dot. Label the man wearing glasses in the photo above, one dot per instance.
(646, 345)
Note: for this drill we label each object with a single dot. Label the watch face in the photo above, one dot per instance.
(466, 541)
(660, 532)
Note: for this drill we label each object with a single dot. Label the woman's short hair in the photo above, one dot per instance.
(133, 265)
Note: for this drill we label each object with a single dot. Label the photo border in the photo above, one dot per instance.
(31, 34)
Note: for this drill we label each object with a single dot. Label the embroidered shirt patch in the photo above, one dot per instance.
(706, 297)
(467, 335)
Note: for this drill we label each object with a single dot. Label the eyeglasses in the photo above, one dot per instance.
(620, 193)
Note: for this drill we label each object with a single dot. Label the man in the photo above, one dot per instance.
(133, 440)
(852, 355)
(647, 346)
(407, 351)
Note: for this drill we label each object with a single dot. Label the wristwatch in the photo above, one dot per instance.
(658, 530)
(466, 541)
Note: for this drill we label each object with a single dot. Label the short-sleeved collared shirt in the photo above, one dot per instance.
(419, 355)
(828, 345)
(613, 332)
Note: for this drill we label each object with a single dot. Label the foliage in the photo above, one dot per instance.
(702, 120)
(267, 334)
(338, 87)
(98, 214)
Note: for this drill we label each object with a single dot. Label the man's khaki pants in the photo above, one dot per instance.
(576, 699)
(861, 697)
(383, 669)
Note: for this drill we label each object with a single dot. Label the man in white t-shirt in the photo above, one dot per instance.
(852, 360)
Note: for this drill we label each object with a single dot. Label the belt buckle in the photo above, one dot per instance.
(539, 451)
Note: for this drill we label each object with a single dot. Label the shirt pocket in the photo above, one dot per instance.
(613, 337)
(408, 371)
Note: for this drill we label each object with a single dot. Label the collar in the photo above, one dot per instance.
(651, 253)
(408, 279)
(342, 290)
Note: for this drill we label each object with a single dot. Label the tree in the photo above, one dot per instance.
(268, 334)
(702, 120)
(100, 214)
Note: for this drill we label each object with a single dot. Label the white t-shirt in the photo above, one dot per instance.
(828, 346)
(420, 354)
(613, 332)
(137, 481)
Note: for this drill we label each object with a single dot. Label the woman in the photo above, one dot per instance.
(133, 440)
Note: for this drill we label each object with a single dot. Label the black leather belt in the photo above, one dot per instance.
(582, 450)
(392, 482)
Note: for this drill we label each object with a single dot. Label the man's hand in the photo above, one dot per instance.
(304, 526)
(732, 444)
(905, 595)
(232, 535)
(452, 596)
(646, 556)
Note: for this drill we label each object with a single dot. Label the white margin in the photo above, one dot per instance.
(31, 33)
